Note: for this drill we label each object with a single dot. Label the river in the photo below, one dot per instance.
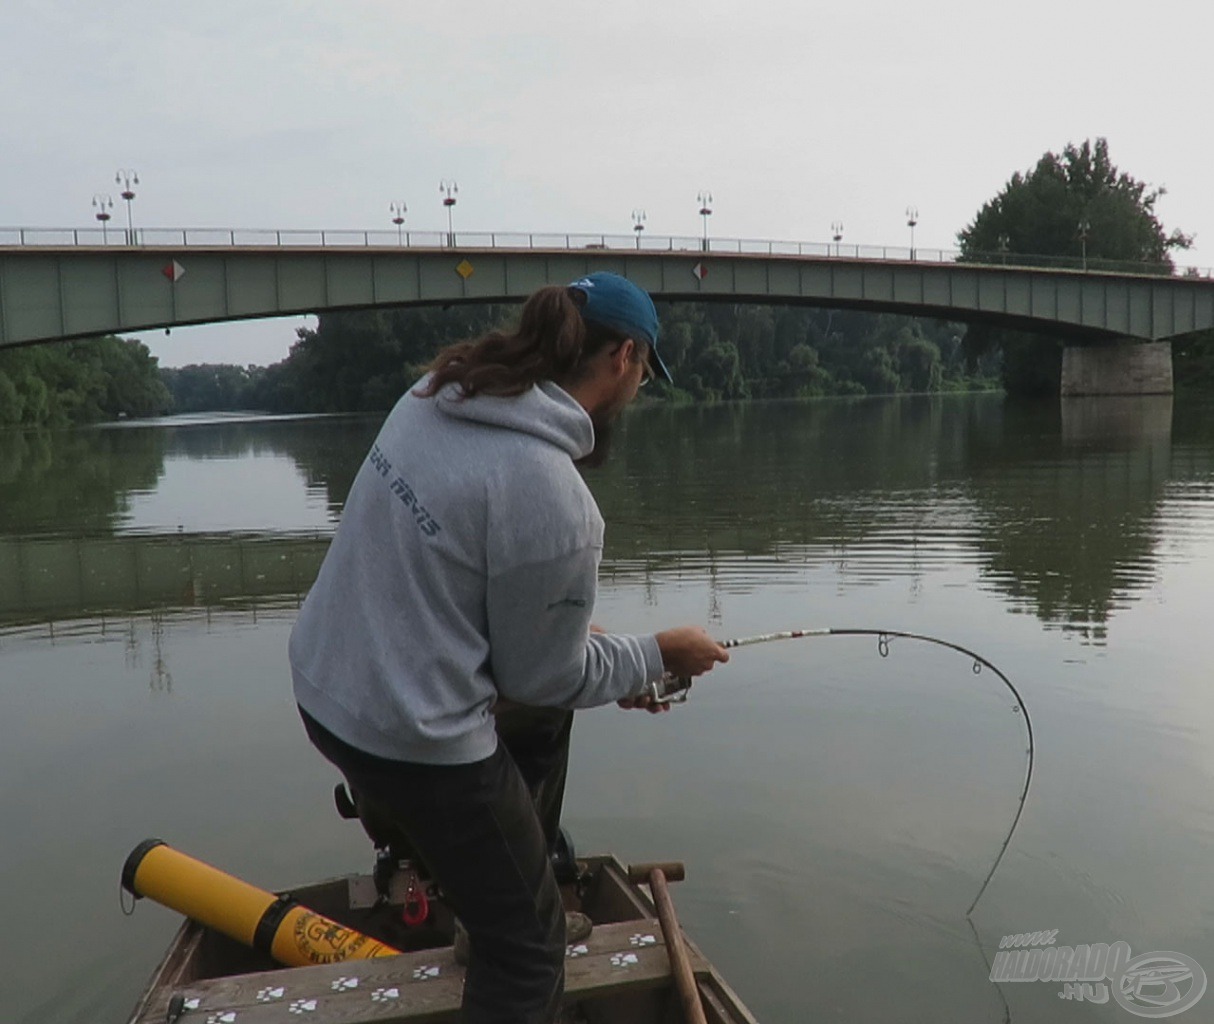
(837, 809)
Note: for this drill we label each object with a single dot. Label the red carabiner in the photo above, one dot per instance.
(417, 907)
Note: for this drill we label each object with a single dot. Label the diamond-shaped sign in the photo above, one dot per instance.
(173, 270)
(464, 269)
(699, 271)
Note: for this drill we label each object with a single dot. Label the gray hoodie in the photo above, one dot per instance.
(464, 569)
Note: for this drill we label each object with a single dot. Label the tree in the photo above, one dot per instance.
(361, 361)
(1041, 214)
(79, 381)
(919, 368)
(207, 387)
(1193, 361)
(1075, 209)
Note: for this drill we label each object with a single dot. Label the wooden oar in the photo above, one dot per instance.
(680, 965)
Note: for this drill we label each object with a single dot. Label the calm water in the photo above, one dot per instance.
(837, 811)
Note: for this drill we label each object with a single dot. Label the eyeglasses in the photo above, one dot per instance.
(647, 373)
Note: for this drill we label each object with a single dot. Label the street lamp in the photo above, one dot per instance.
(126, 177)
(836, 232)
(1003, 243)
(102, 203)
(398, 211)
(705, 201)
(638, 224)
(449, 190)
(1085, 226)
(912, 218)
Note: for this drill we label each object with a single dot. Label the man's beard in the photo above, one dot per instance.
(604, 431)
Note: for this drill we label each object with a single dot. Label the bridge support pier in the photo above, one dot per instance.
(1126, 367)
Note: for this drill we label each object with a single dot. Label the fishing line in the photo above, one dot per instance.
(884, 636)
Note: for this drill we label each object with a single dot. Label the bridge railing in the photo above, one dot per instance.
(197, 238)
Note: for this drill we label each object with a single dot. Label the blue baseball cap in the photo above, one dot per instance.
(616, 302)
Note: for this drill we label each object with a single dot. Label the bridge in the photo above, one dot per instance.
(1117, 324)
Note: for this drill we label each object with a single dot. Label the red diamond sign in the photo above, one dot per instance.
(174, 271)
(699, 271)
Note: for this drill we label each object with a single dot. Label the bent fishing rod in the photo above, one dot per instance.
(674, 689)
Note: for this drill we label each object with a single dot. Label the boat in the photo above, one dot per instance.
(636, 966)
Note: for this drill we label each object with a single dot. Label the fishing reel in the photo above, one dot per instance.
(670, 689)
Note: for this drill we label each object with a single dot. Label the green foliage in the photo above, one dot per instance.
(1040, 213)
(1073, 209)
(919, 365)
(733, 351)
(364, 361)
(1032, 363)
(211, 387)
(80, 381)
(1193, 361)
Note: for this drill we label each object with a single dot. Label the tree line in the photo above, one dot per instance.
(80, 381)
(364, 361)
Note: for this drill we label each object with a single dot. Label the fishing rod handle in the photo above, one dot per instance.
(763, 638)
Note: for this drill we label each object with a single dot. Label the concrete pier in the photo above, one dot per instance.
(1127, 368)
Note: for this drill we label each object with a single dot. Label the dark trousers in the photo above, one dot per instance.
(485, 830)
(538, 741)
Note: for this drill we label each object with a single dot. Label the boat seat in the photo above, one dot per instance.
(614, 959)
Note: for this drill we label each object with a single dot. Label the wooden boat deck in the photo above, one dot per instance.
(620, 973)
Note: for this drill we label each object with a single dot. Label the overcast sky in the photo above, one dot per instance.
(565, 116)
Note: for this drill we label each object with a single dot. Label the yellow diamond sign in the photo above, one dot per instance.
(464, 269)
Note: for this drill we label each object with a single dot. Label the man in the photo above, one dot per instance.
(461, 581)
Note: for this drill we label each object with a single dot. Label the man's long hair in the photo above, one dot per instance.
(551, 342)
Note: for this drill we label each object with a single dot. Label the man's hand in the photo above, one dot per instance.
(644, 703)
(689, 651)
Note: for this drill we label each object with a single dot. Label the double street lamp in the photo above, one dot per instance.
(127, 177)
(1003, 243)
(912, 218)
(102, 203)
(398, 211)
(638, 224)
(705, 201)
(448, 190)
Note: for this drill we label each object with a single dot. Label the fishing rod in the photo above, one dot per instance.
(674, 689)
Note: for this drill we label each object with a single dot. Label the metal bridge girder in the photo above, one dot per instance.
(49, 294)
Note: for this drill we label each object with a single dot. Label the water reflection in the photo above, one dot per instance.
(64, 578)
(74, 481)
(1128, 421)
(1066, 504)
(1060, 509)
(211, 514)
(1060, 514)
